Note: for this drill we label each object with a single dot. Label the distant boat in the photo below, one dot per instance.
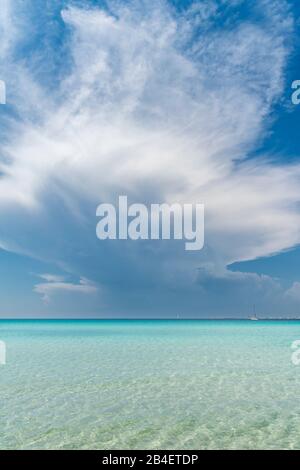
(254, 316)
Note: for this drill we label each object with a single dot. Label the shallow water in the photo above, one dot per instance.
(149, 385)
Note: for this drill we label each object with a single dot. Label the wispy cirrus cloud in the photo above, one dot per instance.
(52, 277)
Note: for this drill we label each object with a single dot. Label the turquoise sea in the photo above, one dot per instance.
(149, 385)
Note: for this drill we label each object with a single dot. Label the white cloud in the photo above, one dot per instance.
(56, 284)
(293, 292)
(52, 277)
(7, 29)
(150, 107)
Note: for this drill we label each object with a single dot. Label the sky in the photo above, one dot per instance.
(162, 101)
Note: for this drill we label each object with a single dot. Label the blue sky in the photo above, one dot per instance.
(164, 102)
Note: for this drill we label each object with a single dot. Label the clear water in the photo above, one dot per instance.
(149, 385)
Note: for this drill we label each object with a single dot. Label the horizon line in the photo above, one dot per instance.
(149, 319)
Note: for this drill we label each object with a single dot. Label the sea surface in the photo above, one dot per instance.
(149, 385)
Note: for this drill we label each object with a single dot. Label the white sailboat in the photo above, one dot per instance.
(254, 316)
